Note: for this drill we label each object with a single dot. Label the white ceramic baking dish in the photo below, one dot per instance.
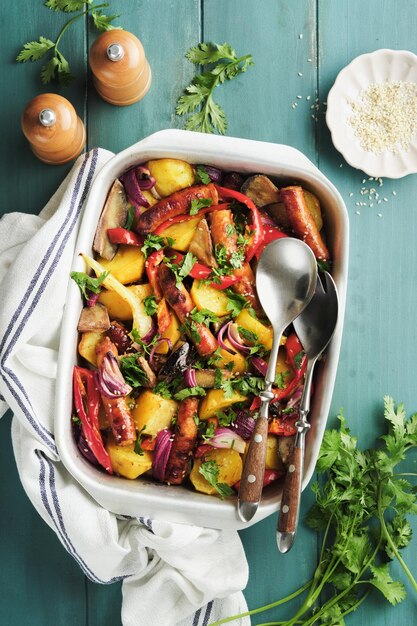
(142, 496)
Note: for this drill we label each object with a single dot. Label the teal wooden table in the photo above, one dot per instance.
(298, 47)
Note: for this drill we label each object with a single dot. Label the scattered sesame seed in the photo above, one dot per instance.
(371, 205)
(379, 214)
(299, 74)
(379, 201)
(293, 105)
(351, 194)
(309, 60)
(308, 98)
(394, 193)
(357, 203)
(371, 178)
(363, 181)
(300, 36)
(385, 199)
(341, 165)
(299, 97)
(357, 212)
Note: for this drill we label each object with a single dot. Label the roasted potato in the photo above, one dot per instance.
(153, 412)
(206, 297)
(126, 462)
(263, 332)
(229, 463)
(273, 458)
(127, 265)
(117, 307)
(182, 233)
(216, 401)
(87, 346)
(172, 333)
(170, 175)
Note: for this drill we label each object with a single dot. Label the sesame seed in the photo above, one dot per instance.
(299, 97)
(363, 181)
(309, 60)
(385, 199)
(357, 203)
(341, 165)
(385, 116)
(308, 98)
(299, 74)
(357, 212)
(394, 193)
(379, 214)
(300, 36)
(351, 194)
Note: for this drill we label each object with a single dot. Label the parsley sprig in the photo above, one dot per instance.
(88, 284)
(204, 114)
(362, 503)
(58, 67)
(210, 471)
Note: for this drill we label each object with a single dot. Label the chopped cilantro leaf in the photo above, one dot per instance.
(298, 359)
(130, 217)
(155, 242)
(132, 372)
(88, 283)
(138, 444)
(236, 302)
(201, 175)
(189, 392)
(210, 471)
(204, 316)
(198, 204)
(150, 305)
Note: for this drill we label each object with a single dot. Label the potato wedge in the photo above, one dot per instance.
(127, 265)
(206, 297)
(253, 325)
(117, 307)
(87, 346)
(229, 463)
(226, 357)
(170, 175)
(313, 206)
(182, 234)
(153, 412)
(273, 457)
(216, 401)
(126, 462)
(172, 333)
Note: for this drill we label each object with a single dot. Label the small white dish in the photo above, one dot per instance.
(376, 67)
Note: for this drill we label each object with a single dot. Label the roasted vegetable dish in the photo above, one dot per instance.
(174, 343)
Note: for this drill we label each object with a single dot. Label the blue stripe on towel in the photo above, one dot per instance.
(42, 431)
(196, 617)
(207, 613)
(60, 526)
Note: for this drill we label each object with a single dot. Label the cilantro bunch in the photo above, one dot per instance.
(361, 508)
(204, 114)
(58, 66)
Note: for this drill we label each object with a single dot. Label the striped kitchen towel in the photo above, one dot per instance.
(172, 574)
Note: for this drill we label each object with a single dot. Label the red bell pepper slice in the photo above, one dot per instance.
(297, 360)
(257, 226)
(186, 217)
(124, 236)
(283, 427)
(202, 272)
(151, 267)
(271, 233)
(87, 404)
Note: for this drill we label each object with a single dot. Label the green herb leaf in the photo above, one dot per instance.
(210, 471)
(66, 5)
(130, 217)
(201, 203)
(201, 175)
(189, 392)
(35, 50)
(138, 444)
(88, 283)
(236, 302)
(199, 93)
(155, 242)
(393, 591)
(103, 22)
(151, 305)
(132, 372)
(182, 269)
(204, 316)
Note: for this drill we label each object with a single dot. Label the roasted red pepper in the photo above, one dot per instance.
(186, 217)
(87, 404)
(297, 360)
(271, 233)
(257, 226)
(283, 426)
(202, 272)
(124, 236)
(151, 266)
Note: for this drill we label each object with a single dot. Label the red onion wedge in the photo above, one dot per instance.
(144, 178)
(244, 425)
(162, 450)
(110, 381)
(235, 339)
(133, 189)
(227, 438)
(92, 298)
(215, 175)
(220, 339)
(151, 333)
(190, 378)
(260, 364)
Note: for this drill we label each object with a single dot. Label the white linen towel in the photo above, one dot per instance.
(172, 574)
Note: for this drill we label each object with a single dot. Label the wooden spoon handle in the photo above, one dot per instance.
(290, 502)
(250, 489)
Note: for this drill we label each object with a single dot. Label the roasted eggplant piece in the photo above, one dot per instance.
(149, 374)
(113, 215)
(202, 246)
(94, 319)
(178, 362)
(261, 190)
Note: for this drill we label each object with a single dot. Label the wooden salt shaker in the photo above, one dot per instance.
(54, 131)
(121, 73)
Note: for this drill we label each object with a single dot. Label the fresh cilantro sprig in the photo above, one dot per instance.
(201, 175)
(210, 471)
(200, 203)
(203, 316)
(132, 372)
(88, 284)
(155, 242)
(362, 503)
(151, 305)
(204, 114)
(182, 269)
(189, 392)
(58, 67)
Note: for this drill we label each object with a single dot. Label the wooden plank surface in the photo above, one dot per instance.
(39, 582)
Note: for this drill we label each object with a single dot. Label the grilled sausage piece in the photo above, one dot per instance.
(175, 204)
(222, 234)
(302, 221)
(117, 410)
(180, 300)
(185, 438)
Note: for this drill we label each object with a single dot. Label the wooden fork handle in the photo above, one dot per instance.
(250, 490)
(290, 502)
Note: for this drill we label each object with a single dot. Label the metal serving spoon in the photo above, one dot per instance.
(285, 281)
(314, 327)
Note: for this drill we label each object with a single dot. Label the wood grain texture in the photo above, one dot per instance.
(288, 514)
(298, 48)
(254, 464)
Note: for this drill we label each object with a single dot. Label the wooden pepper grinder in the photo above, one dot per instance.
(55, 132)
(121, 73)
